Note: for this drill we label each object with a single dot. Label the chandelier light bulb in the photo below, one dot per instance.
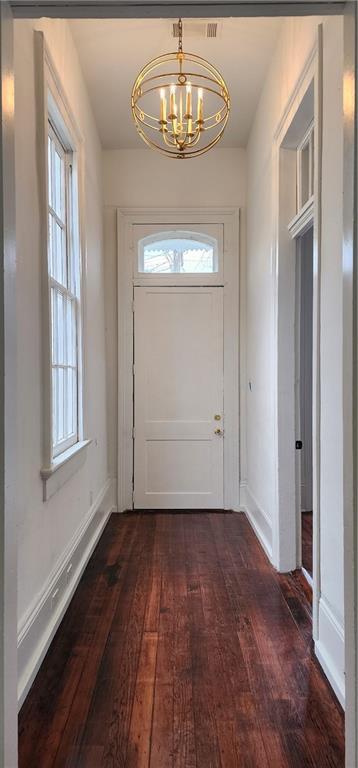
(163, 108)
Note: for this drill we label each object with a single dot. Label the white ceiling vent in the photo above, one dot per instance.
(197, 29)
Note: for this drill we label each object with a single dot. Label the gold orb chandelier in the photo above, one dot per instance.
(180, 103)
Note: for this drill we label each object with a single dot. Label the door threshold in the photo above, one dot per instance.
(180, 511)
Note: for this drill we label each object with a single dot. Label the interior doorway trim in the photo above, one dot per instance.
(285, 550)
(237, 9)
(172, 8)
(350, 378)
(126, 219)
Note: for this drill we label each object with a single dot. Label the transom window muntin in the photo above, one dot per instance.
(178, 252)
(64, 285)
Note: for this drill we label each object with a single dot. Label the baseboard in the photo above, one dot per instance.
(40, 625)
(257, 518)
(329, 648)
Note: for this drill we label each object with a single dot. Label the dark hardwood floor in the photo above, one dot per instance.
(307, 541)
(182, 648)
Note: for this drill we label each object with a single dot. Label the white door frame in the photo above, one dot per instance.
(108, 9)
(285, 533)
(126, 219)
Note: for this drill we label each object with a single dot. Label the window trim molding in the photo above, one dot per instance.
(53, 103)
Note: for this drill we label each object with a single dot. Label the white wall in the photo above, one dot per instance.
(47, 530)
(143, 178)
(295, 43)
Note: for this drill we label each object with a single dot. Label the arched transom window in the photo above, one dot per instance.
(178, 252)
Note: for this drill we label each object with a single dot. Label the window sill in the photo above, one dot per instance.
(62, 468)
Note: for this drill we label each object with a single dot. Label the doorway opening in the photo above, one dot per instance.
(304, 379)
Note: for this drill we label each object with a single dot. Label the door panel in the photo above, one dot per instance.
(178, 389)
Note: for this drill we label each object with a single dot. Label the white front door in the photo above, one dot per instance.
(178, 398)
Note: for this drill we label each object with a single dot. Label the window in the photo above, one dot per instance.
(177, 252)
(305, 169)
(64, 289)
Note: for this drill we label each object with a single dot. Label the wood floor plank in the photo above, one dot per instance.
(184, 754)
(182, 648)
(138, 753)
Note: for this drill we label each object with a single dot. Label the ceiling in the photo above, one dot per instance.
(112, 51)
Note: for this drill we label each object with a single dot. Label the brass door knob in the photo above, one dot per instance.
(218, 431)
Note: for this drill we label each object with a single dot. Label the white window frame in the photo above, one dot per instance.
(68, 291)
(60, 464)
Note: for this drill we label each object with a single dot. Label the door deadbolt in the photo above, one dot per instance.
(217, 417)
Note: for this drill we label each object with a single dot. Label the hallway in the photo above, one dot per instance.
(182, 647)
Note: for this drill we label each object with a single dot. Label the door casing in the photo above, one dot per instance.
(126, 219)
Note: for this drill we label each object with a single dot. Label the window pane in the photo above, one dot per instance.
(177, 255)
(49, 163)
(63, 330)
(54, 406)
(71, 351)
(60, 327)
(305, 159)
(51, 246)
(311, 191)
(71, 396)
(61, 405)
(57, 251)
(59, 187)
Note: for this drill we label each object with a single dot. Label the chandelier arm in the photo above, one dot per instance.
(195, 138)
(206, 88)
(203, 127)
(139, 112)
(168, 142)
(138, 121)
(174, 154)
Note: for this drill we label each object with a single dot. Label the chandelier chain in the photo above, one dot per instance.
(180, 31)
